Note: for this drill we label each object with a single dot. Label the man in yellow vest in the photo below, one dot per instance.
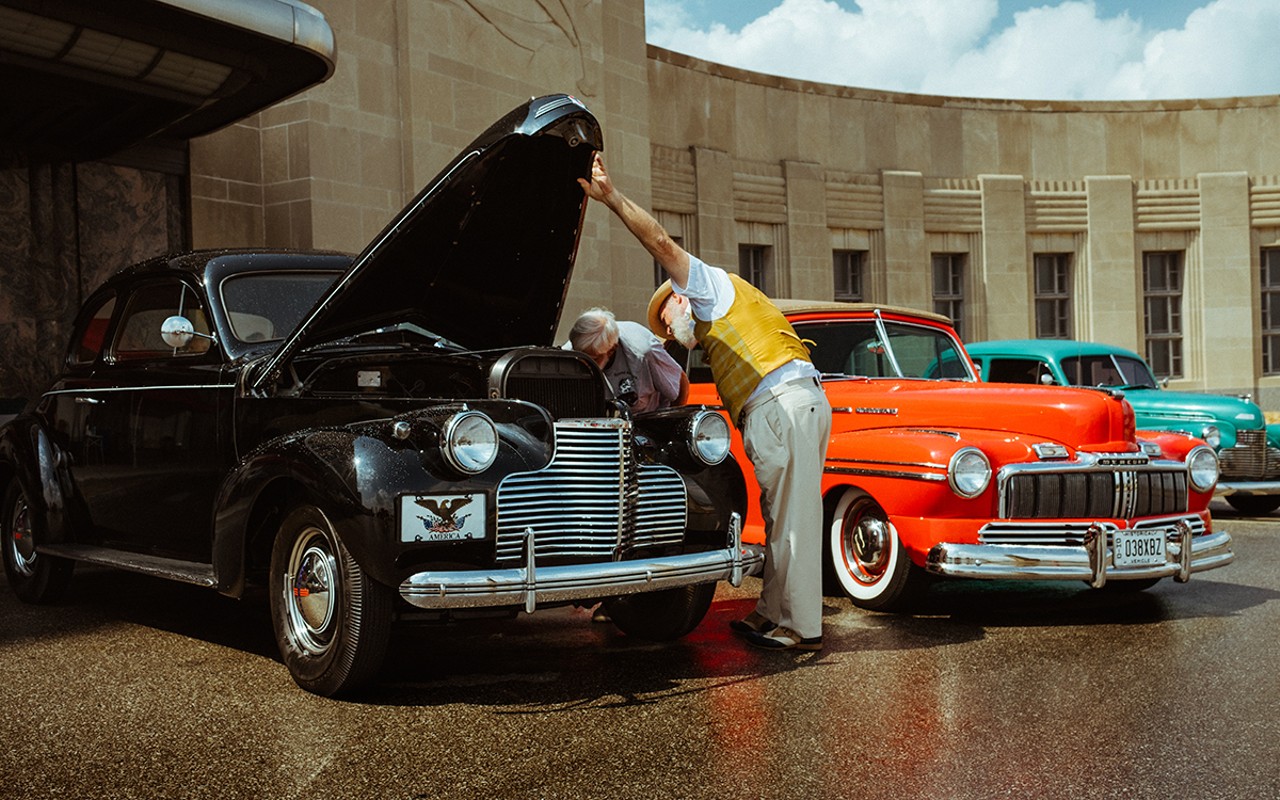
(764, 376)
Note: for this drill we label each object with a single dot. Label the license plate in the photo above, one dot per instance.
(441, 517)
(1138, 548)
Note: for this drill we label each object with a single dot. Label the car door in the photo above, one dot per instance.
(151, 482)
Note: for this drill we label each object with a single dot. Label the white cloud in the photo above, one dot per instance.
(1065, 50)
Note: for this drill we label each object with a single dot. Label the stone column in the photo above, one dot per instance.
(1224, 355)
(909, 281)
(713, 182)
(1006, 308)
(808, 240)
(1110, 300)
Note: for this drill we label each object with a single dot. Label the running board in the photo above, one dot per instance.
(170, 569)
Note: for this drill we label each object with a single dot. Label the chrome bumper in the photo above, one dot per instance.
(1226, 488)
(1092, 562)
(531, 585)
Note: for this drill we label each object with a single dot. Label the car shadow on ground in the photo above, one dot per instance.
(559, 659)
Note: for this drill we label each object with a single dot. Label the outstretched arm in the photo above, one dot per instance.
(672, 257)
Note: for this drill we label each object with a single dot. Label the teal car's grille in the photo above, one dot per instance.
(1095, 494)
(1250, 458)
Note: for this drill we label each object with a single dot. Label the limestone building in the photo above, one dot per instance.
(1152, 225)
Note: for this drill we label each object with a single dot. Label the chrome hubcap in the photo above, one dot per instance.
(22, 546)
(311, 591)
(866, 543)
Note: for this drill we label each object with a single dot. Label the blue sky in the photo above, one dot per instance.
(1033, 49)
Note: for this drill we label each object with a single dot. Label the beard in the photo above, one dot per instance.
(682, 329)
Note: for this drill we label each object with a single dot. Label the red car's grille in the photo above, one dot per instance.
(1114, 494)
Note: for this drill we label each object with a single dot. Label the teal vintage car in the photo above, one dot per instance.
(1248, 448)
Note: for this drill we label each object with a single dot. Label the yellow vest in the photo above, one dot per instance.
(746, 344)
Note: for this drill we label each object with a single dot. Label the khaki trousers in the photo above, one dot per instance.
(785, 434)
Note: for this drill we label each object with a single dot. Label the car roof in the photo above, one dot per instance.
(1056, 349)
(792, 306)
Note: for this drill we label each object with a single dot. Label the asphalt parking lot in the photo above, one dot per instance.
(136, 688)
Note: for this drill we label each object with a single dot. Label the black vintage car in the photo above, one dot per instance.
(377, 437)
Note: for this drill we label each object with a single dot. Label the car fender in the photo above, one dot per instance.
(28, 455)
(356, 474)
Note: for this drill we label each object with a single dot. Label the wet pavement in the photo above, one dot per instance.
(136, 688)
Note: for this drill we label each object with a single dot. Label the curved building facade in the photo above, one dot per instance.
(1151, 225)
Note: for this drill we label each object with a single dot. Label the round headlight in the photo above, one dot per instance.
(1212, 436)
(969, 472)
(470, 442)
(709, 437)
(1202, 469)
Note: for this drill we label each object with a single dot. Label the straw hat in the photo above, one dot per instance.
(656, 324)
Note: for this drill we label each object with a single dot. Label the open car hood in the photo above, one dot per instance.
(482, 256)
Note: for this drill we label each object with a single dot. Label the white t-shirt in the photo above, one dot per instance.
(711, 294)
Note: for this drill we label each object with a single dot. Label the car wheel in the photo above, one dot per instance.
(864, 557)
(1254, 505)
(661, 616)
(35, 577)
(332, 621)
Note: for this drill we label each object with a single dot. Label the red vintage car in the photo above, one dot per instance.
(930, 472)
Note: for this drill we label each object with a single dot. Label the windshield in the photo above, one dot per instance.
(267, 306)
(1108, 370)
(856, 348)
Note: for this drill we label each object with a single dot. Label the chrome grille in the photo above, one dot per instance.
(1068, 534)
(1250, 458)
(1118, 494)
(592, 501)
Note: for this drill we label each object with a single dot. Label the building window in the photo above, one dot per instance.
(660, 274)
(1162, 312)
(1053, 295)
(948, 288)
(847, 265)
(1271, 312)
(753, 266)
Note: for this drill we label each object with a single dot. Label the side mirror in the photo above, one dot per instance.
(177, 331)
(1046, 379)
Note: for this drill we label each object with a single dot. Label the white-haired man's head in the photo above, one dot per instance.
(596, 334)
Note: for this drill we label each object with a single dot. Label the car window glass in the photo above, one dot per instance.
(1092, 371)
(853, 347)
(1016, 370)
(1135, 372)
(89, 342)
(264, 306)
(145, 312)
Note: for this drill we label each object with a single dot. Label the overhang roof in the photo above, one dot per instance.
(83, 79)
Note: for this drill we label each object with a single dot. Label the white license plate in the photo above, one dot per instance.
(1138, 548)
(441, 517)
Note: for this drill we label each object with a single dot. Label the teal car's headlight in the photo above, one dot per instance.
(1212, 436)
(969, 472)
(709, 437)
(470, 442)
(1202, 469)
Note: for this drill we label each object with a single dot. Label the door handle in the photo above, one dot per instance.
(91, 401)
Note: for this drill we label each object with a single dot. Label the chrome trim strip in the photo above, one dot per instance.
(1057, 563)
(108, 389)
(532, 585)
(921, 464)
(883, 473)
